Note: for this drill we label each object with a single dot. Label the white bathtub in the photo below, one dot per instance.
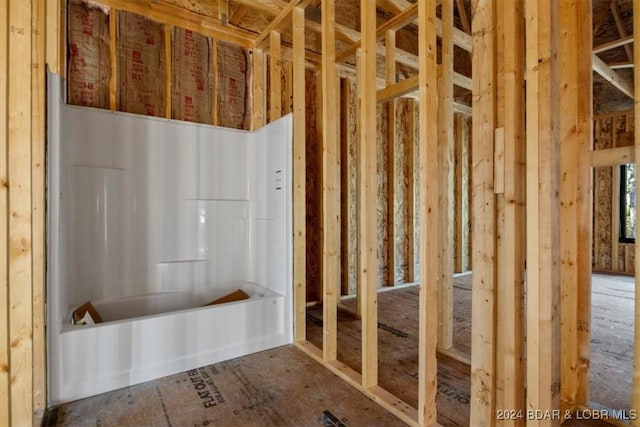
(167, 302)
(156, 342)
(143, 213)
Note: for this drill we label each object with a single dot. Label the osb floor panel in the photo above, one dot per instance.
(279, 387)
(398, 348)
(611, 345)
(284, 387)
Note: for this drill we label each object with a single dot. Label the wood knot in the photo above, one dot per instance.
(4, 368)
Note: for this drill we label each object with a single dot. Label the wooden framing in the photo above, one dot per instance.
(411, 206)
(429, 215)
(611, 76)
(22, 159)
(621, 30)
(330, 186)
(259, 96)
(168, 37)
(543, 225)
(38, 207)
(275, 80)
(483, 320)
(20, 272)
(54, 36)
(215, 103)
(461, 210)
(393, 24)
(623, 41)
(581, 329)
(299, 177)
(562, 224)
(273, 25)
(445, 190)
(178, 17)
(509, 179)
(223, 11)
(611, 156)
(346, 246)
(367, 234)
(635, 392)
(390, 71)
(5, 383)
(113, 79)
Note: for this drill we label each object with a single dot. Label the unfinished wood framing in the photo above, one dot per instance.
(299, 177)
(223, 11)
(584, 128)
(611, 76)
(621, 30)
(330, 185)
(5, 383)
(390, 71)
(22, 368)
(543, 225)
(349, 187)
(411, 206)
(635, 393)
(445, 190)
(461, 221)
(483, 369)
(259, 97)
(559, 162)
(113, 30)
(275, 77)
(509, 174)
(176, 16)
(368, 231)
(401, 20)
(55, 11)
(215, 102)
(168, 62)
(429, 215)
(38, 207)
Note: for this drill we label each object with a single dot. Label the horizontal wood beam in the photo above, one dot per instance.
(397, 90)
(273, 7)
(391, 403)
(623, 41)
(410, 85)
(611, 76)
(462, 81)
(343, 32)
(394, 24)
(620, 65)
(172, 15)
(460, 38)
(613, 156)
(277, 22)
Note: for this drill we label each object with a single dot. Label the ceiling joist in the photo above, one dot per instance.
(172, 15)
(611, 76)
(394, 24)
(613, 44)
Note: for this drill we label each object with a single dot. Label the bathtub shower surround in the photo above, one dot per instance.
(149, 220)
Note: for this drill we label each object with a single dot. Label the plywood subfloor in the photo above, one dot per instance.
(612, 308)
(284, 387)
(611, 345)
(279, 387)
(398, 348)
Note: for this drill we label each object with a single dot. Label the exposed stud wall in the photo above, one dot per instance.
(382, 188)
(314, 188)
(22, 158)
(608, 254)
